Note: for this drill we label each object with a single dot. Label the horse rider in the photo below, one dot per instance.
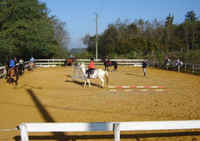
(21, 66)
(12, 64)
(32, 59)
(90, 67)
(31, 62)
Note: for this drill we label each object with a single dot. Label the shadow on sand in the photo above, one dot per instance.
(60, 136)
(133, 74)
(44, 113)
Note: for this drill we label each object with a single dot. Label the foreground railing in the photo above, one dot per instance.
(116, 127)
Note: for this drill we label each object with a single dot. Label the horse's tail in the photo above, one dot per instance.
(107, 77)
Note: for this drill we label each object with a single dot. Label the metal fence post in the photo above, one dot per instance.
(116, 128)
(193, 68)
(23, 132)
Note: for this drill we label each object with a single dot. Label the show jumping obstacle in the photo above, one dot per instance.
(133, 86)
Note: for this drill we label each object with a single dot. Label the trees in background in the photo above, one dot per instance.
(153, 40)
(27, 30)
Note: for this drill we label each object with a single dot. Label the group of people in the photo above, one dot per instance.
(17, 66)
(91, 67)
(175, 63)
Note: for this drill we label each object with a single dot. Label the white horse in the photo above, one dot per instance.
(98, 74)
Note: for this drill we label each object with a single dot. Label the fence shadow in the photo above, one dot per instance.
(44, 113)
(60, 136)
(137, 137)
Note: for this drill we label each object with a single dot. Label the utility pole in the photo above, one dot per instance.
(96, 36)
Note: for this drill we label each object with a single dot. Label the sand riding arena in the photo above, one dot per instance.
(50, 95)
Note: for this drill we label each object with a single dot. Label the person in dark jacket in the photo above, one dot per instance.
(144, 66)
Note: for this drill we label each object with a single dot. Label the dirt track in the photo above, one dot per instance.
(49, 95)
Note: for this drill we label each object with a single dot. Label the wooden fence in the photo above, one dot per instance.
(116, 127)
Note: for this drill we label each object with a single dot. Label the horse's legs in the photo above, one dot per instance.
(89, 82)
(85, 83)
(16, 80)
(106, 67)
(102, 80)
(9, 80)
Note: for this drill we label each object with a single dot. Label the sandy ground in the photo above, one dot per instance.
(50, 95)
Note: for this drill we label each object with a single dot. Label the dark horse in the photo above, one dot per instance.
(21, 69)
(108, 63)
(12, 75)
(69, 61)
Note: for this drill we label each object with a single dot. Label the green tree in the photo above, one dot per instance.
(27, 30)
(145, 39)
(190, 17)
(190, 22)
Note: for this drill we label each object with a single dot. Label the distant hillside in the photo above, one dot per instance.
(77, 50)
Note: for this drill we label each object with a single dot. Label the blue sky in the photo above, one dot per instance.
(80, 18)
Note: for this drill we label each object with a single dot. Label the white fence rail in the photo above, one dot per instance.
(55, 62)
(116, 127)
(2, 71)
(186, 67)
(194, 68)
(190, 68)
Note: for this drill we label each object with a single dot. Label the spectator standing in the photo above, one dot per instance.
(144, 66)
